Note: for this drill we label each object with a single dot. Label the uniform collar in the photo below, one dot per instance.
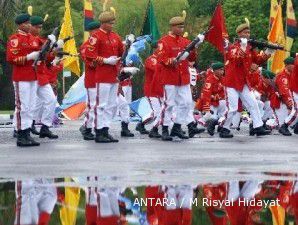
(102, 30)
(22, 32)
(173, 35)
(213, 74)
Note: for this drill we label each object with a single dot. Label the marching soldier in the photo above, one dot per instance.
(287, 112)
(104, 49)
(90, 85)
(241, 60)
(45, 93)
(175, 77)
(20, 53)
(213, 96)
(294, 87)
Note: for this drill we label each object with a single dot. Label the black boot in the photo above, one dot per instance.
(88, 136)
(15, 134)
(193, 130)
(141, 128)
(45, 132)
(24, 139)
(125, 132)
(266, 127)
(251, 130)
(83, 129)
(225, 133)
(284, 130)
(33, 129)
(107, 135)
(154, 133)
(100, 137)
(177, 131)
(296, 128)
(260, 131)
(211, 126)
(165, 134)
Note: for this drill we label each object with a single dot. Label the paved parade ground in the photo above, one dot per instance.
(141, 160)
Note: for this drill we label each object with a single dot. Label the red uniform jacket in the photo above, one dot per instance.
(294, 77)
(157, 87)
(169, 47)
(150, 66)
(100, 45)
(283, 86)
(50, 75)
(89, 68)
(126, 82)
(212, 92)
(238, 67)
(19, 46)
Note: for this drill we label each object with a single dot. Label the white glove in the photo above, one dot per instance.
(32, 56)
(243, 43)
(131, 38)
(202, 38)
(56, 61)
(184, 56)
(132, 70)
(52, 38)
(112, 60)
(60, 44)
(269, 51)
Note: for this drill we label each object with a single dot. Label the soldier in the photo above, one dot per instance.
(294, 87)
(104, 49)
(155, 99)
(45, 93)
(213, 96)
(241, 60)
(90, 85)
(286, 114)
(175, 77)
(21, 53)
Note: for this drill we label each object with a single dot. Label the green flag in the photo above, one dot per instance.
(150, 24)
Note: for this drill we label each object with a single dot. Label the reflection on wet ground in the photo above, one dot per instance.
(86, 200)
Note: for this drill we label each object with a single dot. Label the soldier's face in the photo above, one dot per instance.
(290, 68)
(25, 27)
(219, 72)
(244, 34)
(35, 30)
(178, 30)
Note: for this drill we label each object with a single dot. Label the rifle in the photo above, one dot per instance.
(60, 54)
(123, 76)
(191, 45)
(263, 44)
(45, 49)
(64, 40)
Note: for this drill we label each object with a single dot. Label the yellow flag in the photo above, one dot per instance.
(277, 35)
(291, 26)
(70, 63)
(278, 215)
(273, 11)
(68, 212)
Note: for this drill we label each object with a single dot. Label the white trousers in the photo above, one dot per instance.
(248, 191)
(248, 99)
(108, 202)
(127, 91)
(178, 97)
(182, 195)
(106, 104)
(91, 101)
(91, 192)
(283, 115)
(268, 112)
(156, 106)
(123, 107)
(45, 105)
(220, 110)
(32, 198)
(25, 98)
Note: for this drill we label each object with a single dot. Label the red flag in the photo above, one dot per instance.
(218, 35)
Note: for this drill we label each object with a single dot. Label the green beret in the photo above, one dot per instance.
(92, 25)
(219, 213)
(22, 18)
(268, 74)
(36, 20)
(217, 65)
(289, 61)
